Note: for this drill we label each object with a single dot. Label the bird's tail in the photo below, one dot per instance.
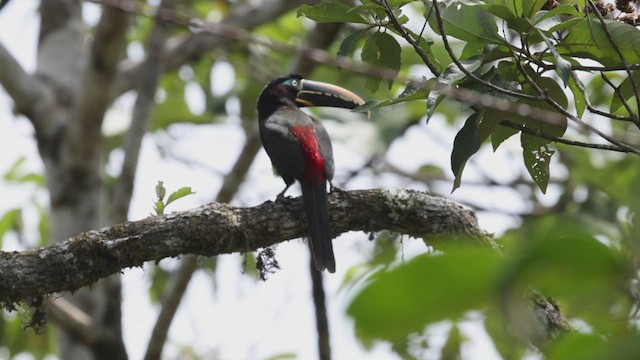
(316, 208)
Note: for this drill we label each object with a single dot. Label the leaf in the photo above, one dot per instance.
(626, 91)
(537, 158)
(465, 145)
(331, 11)
(346, 47)
(510, 9)
(180, 193)
(465, 22)
(488, 122)
(562, 66)
(578, 98)
(11, 220)
(501, 134)
(425, 290)
(382, 50)
(588, 39)
(556, 93)
(621, 345)
(562, 259)
(17, 173)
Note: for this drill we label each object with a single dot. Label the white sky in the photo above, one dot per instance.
(233, 316)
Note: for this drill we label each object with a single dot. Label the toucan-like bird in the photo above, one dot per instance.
(300, 149)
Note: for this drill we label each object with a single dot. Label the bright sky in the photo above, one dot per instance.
(233, 316)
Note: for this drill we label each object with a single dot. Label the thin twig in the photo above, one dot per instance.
(403, 32)
(543, 135)
(590, 107)
(467, 73)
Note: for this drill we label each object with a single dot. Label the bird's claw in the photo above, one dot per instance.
(335, 188)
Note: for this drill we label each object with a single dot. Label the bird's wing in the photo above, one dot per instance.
(282, 146)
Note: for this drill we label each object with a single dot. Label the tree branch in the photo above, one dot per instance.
(322, 36)
(98, 78)
(191, 48)
(142, 111)
(215, 229)
(24, 89)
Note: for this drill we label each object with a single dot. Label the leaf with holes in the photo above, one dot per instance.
(537, 157)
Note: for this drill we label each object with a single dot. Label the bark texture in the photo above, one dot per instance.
(215, 229)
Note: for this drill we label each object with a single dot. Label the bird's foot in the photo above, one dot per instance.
(335, 188)
(282, 197)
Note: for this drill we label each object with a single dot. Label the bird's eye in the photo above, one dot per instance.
(294, 82)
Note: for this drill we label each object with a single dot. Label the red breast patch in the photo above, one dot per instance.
(314, 173)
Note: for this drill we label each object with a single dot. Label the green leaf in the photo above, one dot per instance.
(10, 221)
(561, 259)
(158, 207)
(488, 122)
(514, 9)
(587, 38)
(626, 91)
(465, 22)
(562, 66)
(578, 98)
(500, 134)
(159, 281)
(382, 50)
(346, 47)
(331, 11)
(180, 193)
(466, 143)
(17, 173)
(537, 158)
(624, 344)
(400, 301)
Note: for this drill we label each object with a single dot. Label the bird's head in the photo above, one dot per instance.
(293, 90)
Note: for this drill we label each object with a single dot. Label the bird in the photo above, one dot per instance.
(300, 149)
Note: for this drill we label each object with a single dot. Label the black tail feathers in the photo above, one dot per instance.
(316, 208)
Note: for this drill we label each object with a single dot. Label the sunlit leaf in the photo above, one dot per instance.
(331, 11)
(465, 22)
(10, 220)
(588, 39)
(180, 193)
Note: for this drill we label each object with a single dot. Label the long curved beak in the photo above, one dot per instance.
(316, 93)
